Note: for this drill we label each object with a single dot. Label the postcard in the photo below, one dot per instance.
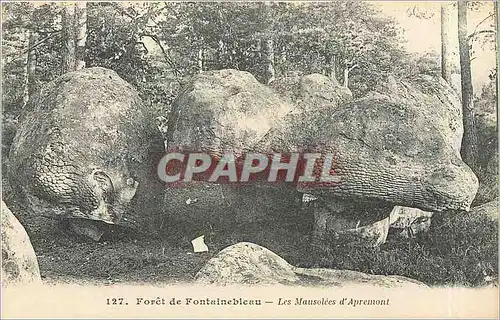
(237, 159)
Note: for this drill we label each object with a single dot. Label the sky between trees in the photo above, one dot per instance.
(423, 34)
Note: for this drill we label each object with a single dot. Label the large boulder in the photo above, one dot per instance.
(312, 93)
(19, 262)
(439, 103)
(223, 111)
(217, 112)
(86, 148)
(399, 144)
(402, 148)
(249, 264)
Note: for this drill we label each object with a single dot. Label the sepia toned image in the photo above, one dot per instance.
(266, 159)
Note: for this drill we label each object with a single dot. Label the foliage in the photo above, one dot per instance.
(308, 37)
(487, 100)
(230, 35)
(19, 18)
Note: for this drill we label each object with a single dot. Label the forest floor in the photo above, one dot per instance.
(463, 251)
(127, 258)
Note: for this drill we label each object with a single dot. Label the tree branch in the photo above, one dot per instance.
(477, 25)
(48, 31)
(143, 45)
(354, 66)
(479, 32)
(165, 54)
(41, 41)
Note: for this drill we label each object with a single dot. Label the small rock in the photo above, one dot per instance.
(407, 222)
(337, 219)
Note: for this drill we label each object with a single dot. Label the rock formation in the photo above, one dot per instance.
(388, 148)
(85, 149)
(398, 146)
(313, 92)
(225, 111)
(249, 264)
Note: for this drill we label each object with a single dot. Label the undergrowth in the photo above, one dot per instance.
(460, 249)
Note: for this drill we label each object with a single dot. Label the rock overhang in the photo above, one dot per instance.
(390, 145)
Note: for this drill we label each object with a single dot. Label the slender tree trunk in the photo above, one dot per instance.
(259, 48)
(220, 54)
(446, 47)
(30, 67)
(331, 69)
(81, 34)
(269, 60)
(281, 65)
(338, 67)
(68, 58)
(469, 141)
(200, 60)
(268, 45)
(334, 66)
(346, 74)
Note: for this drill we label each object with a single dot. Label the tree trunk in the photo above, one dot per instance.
(497, 23)
(346, 77)
(446, 47)
(268, 44)
(469, 141)
(331, 69)
(81, 34)
(269, 60)
(346, 74)
(200, 60)
(30, 67)
(68, 58)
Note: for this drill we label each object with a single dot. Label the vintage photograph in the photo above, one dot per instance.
(309, 145)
